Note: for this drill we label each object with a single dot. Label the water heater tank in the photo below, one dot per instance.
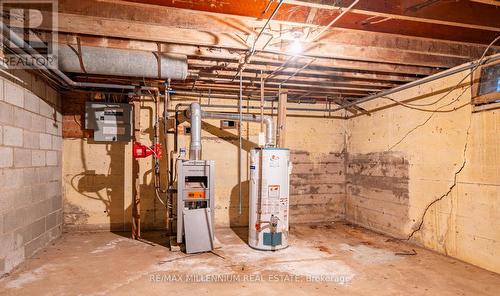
(269, 198)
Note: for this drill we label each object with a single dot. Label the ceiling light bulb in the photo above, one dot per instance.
(296, 47)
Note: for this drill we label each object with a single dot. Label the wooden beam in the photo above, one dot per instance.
(78, 24)
(404, 43)
(254, 90)
(230, 88)
(245, 26)
(298, 79)
(218, 78)
(211, 59)
(450, 14)
(224, 54)
(449, 20)
(136, 180)
(323, 72)
(292, 85)
(489, 2)
(340, 66)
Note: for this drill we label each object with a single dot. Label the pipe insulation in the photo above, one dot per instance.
(122, 62)
(195, 114)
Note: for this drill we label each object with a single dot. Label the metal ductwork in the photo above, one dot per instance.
(268, 121)
(121, 62)
(195, 114)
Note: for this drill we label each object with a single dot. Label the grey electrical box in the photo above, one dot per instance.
(111, 122)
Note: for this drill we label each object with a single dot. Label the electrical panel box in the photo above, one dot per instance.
(111, 122)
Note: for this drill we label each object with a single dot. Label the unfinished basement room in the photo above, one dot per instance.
(250, 147)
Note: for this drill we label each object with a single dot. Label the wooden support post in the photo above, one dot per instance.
(281, 130)
(136, 200)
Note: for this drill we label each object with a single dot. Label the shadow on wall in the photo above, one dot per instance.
(239, 222)
(91, 185)
(246, 145)
(95, 182)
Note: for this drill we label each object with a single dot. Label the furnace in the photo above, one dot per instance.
(195, 204)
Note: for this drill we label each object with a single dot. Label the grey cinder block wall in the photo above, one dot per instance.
(30, 168)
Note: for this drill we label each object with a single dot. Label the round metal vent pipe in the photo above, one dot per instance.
(122, 62)
(195, 114)
(268, 121)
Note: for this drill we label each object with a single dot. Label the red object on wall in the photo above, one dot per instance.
(143, 151)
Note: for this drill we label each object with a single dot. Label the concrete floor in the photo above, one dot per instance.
(323, 259)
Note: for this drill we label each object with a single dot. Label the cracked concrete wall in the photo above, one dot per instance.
(30, 168)
(453, 172)
(97, 176)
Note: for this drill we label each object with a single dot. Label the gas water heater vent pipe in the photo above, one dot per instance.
(268, 121)
(195, 114)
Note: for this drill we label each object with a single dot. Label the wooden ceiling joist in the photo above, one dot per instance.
(222, 55)
(447, 20)
(138, 31)
(246, 26)
(456, 13)
(375, 46)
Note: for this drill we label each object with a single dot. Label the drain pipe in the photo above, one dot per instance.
(195, 114)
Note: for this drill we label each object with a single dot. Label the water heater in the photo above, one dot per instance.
(269, 198)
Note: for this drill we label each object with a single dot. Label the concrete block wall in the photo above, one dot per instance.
(30, 168)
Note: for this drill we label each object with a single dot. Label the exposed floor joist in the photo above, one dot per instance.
(445, 20)
(354, 60)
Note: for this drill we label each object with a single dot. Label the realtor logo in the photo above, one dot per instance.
(28, 34)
